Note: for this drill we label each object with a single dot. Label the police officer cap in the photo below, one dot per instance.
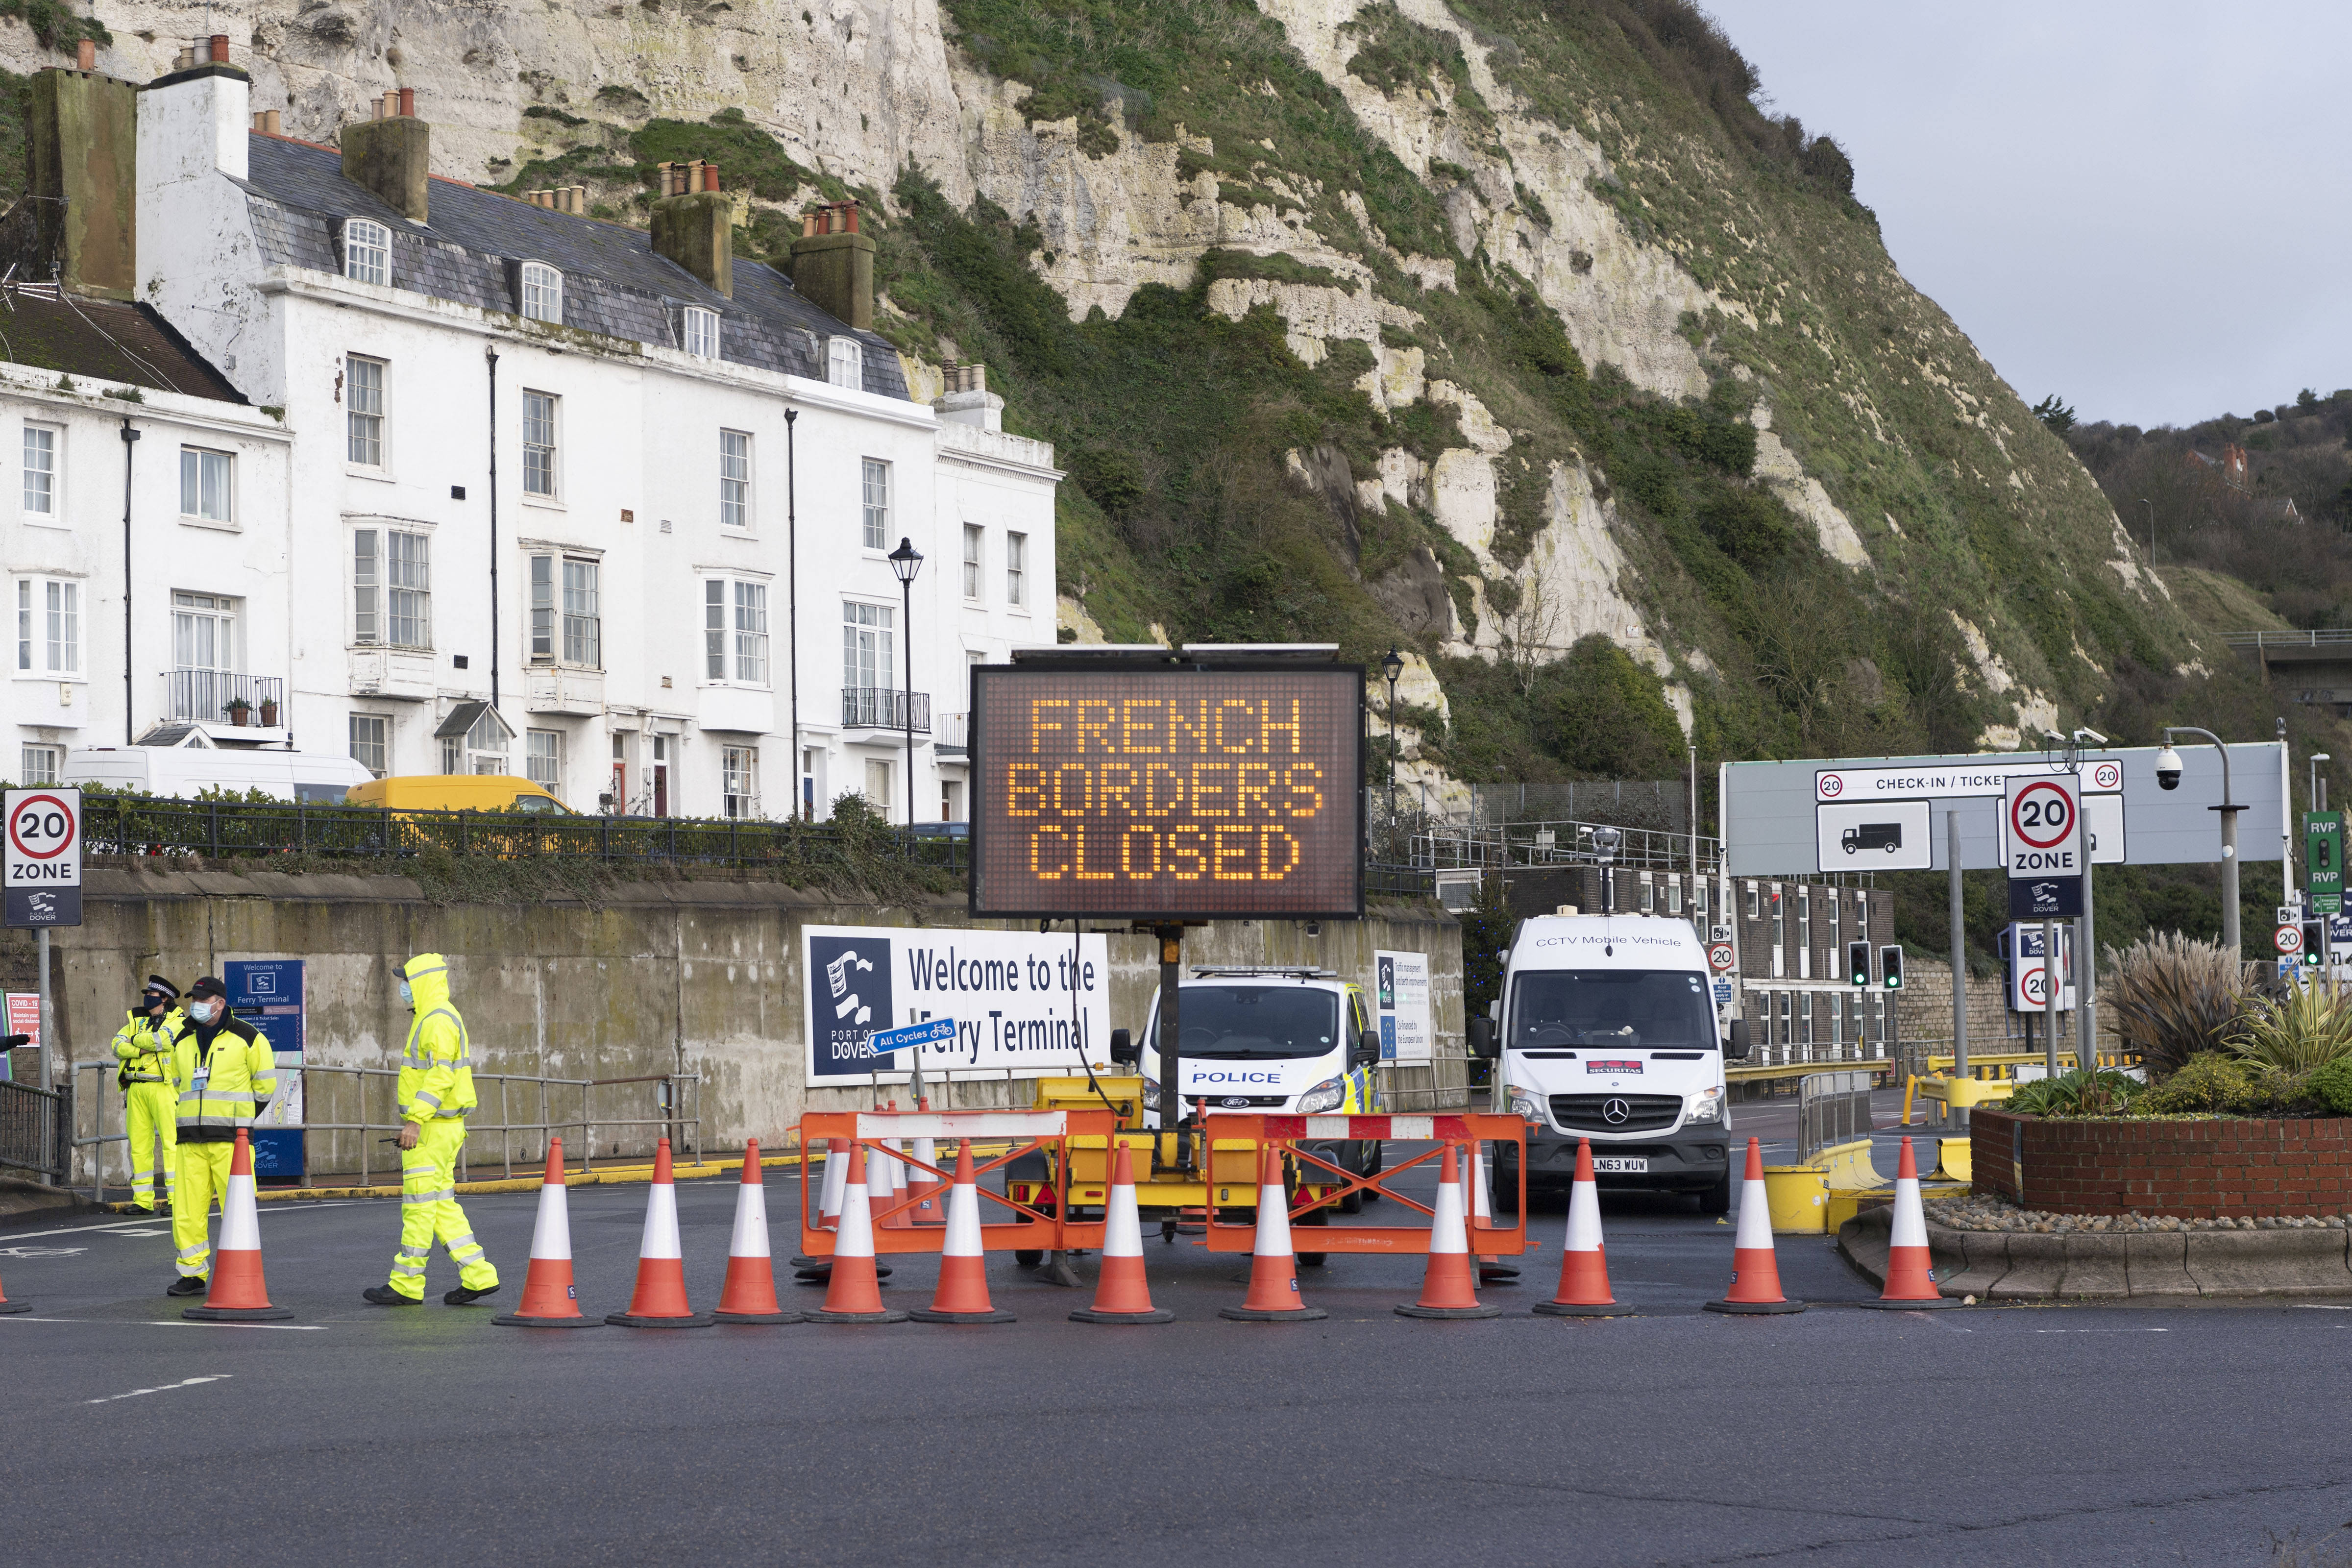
(162, 987)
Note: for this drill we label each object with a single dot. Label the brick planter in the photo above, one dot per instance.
(2196, 1170)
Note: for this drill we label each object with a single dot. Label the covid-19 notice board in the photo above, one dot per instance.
(1167, 791)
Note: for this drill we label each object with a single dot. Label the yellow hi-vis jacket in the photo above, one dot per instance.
(436, 1080)
(144, 1046)
(223, 1087)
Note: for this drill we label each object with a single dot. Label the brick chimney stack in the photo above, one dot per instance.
(833, 264)
(693, 224)
(391, 154)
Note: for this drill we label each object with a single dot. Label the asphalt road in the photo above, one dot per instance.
(1838, 1436)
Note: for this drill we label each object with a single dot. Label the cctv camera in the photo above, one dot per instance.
(2167, 768)
(2092, 736)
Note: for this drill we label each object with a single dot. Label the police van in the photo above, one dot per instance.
(1606, 1029)
(1272, 1041)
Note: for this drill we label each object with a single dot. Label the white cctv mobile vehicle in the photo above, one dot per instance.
(1606, 1029)
(1266, 1039)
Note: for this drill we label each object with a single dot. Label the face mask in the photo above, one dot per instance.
(407, 997)
(204, 1012)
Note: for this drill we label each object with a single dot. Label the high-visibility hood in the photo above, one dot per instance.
(428, 981)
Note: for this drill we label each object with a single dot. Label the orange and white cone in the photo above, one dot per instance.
(1910, 1279)
(1583, 1272)
(852, 1294)
(893, 1166)
(8, 1307)
(1446, 1290)
(549, 1299)
(1274, 1269)
(924, 1188)
(1122, 1293)
(840, 1157)
(1755, 1271)
(238, 1294)
(962, 1295)
(750, 1294)
(659, 1300)
(1478, 1171)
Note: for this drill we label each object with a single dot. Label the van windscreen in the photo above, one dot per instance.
(1612, 1008)
(1223, 1023)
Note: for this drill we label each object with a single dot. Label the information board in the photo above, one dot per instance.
(266, 992)
(1167, 791)
(1401, 999)
(40, 855)
(1004, 999)
(2323, 859)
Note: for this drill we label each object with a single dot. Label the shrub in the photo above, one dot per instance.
(2172, 998)
(2308, 1027)
(2331, 1086)
(2078, 1094)
(2215, 1083)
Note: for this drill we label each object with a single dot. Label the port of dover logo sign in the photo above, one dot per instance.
(1024, 1005)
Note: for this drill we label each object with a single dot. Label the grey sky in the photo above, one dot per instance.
(2142, 207)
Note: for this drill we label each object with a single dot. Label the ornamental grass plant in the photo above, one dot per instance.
(2172, 998)
(2305, 1028)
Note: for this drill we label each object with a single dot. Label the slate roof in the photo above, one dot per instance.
(104, 340)
(472, 245)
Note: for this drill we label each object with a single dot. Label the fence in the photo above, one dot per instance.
(218, 829)
(355, 1146)
(1833, 1108)
(36, 1129)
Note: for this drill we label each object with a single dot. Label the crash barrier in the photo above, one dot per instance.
(1256, 1133)
(677, 1114)
(1833, 1108)
(1038, 1227)
(1992, 1079)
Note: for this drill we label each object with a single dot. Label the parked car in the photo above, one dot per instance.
(456, 791)
(317, 778)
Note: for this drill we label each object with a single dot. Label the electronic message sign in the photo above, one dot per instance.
(1167, 791)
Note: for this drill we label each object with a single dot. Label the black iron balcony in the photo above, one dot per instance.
(883, 707)
(218, 697)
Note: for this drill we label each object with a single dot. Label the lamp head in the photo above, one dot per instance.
(2167, 768)
(905, 560)
(1392, 665)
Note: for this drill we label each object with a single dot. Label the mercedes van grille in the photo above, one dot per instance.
(1616, 1113)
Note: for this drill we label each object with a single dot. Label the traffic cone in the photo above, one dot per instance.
(962, 1295)
(1910, 1283)
(749, 1293)
(238, 1293)
(840, 1156)
(1122, 1293)
(893, 1166)
(1274, 1269)
(1583, 1272)
(1480, 1172)
(659, 1300)
(549, 1299)
(1755, 1272)
(8, 1307)
(852, 1294)
(1445, 1287)
(924, 1188)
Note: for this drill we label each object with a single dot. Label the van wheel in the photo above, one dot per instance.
(1313, 1259)
(1028, 1259)
(1716, 1199)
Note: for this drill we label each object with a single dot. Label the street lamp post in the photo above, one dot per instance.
(1392, 666)
(905, 560)
(2168, 776)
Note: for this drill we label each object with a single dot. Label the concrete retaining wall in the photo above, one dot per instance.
(688, 976)
(2081, 1266)
(2196, 1170)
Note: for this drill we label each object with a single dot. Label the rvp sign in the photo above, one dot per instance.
(40, 860)
(2042, 845)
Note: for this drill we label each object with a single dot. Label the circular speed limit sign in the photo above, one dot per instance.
(1720, 957)
(41, 827)
(2106, 775)
(2041, 817)
(2034, 983)
(2289, 939)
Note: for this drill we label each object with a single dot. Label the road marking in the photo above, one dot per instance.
(42, 1251)
(185, 1383)
(2103, 1330)
(164, 1323)
(139, 1226)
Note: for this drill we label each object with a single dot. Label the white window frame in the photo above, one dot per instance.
(974, 549)
(701, 331)
(370, 739)
(543, 461)
(49, 612)
(844, 362)
(1016, 570)
(391, 597)
(367, 252)
(567, 613)
(38, 765)
(738, 782)
(542, 293)
(47, 444)
(735, 479)
(874, 503)
(736, 643)
(542, 759)
(366, 427)
(1804, 934)
(201, 465)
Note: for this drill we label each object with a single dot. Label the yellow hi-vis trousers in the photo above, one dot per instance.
(429, 1211)
(203, 1177)
(152, 1110)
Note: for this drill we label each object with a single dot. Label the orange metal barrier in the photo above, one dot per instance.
(1466, 1128)
(1035, 1230)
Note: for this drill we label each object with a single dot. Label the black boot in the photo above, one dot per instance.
(385, 1296)
(187, 1285)
(462, 1297)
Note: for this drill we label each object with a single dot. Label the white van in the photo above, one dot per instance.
(1268, 1039)
(318, 778)
(1606, 1029)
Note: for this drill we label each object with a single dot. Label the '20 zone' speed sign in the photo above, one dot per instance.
(41, 859)
(2041, 845)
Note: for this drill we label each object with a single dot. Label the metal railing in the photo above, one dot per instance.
(2267, 639)
(952, 732)
(883, 707)
(363, 1155)
(205, 695)
(36, 1129)
(1833, 1108)
(1561, 843)
(145, 826)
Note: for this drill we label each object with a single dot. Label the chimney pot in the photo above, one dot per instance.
(408, 102)
(183, 59)
(258, 119)
(86, 55)
(711, 176)
(276, 123)
(849, 217)
(220, 48)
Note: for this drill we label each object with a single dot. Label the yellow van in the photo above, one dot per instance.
(456, 791)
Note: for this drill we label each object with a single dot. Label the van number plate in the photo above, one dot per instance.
(1620, 1164)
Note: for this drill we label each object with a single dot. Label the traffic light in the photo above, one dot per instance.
(2314, 933)
(1890, 967)
(1857, 963)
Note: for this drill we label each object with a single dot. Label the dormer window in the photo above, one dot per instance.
(542, 293)
(845, 363)
(701, 331)
(367, 252)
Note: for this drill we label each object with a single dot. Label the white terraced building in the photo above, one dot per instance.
(508, 488)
